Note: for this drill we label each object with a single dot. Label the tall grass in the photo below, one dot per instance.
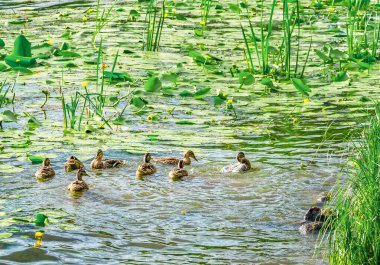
(102, 19)
(353, 237)
(205, 11)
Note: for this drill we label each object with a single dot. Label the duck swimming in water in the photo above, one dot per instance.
(242, 165)
(72, 164)
(100, 163)
(46, 171)
(178, 173)
(174, 161)
(147, 168)
(79, 184)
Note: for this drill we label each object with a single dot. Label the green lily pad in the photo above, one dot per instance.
(153, 84)
(301, 87)
(35, 159)
(246, 78)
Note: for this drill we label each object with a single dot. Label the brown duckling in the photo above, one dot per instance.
(46, 171)
(178, 173)
(174, 161)
(72, 164)
(242, 165)
(147, 168)
(310, 228)
(100, 163)
(79, 184)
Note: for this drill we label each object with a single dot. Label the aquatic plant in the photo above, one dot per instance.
(205, 11)
(354, 226)
(102, 19)
(154, 21)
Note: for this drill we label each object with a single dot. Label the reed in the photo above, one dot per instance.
(154, 21)
(354, 228)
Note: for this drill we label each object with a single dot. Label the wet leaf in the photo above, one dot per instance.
(246, 78)
(35, 159)
(201, 93)
(184, 122)
(8, 116)
(153, 84)
(301, 87)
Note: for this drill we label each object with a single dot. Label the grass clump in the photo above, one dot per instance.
(353, 235)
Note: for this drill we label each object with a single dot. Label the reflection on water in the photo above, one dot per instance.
(42, 4)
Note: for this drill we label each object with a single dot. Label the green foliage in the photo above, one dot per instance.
(353, 236)
(153, 84)
(301, 87)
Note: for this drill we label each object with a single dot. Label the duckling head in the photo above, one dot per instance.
(240, 156)
(147, 158)
(99, 154)
(189, 154)
(81, 172)
(46, 162)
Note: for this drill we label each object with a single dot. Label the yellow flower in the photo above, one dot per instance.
(150, 117)
(38, 235)
(202, 22)
(229, 101)
(84, 19)
(166, 15)
(18, 60)
(50, 42)
(306, 100)
(330, 9)
(183, 212)
(38, 243)
(104, 66)
(295, 120)
(84, 84)
(174, 10)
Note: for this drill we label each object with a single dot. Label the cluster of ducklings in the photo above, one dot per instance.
(145, 169)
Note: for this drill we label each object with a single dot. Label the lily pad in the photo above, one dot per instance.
(153, 84)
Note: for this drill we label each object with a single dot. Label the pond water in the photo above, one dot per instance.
(298, 148)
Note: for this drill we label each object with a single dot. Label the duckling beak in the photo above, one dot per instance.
(195, 158)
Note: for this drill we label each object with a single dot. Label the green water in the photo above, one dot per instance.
(212, 218)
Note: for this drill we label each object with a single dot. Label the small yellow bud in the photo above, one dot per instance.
(84, 19)
(104, 66)
(174, 10)
(38, 235)
(183, 212)
(166, 15)
(38, 243)
(229, 101)
(295, 120)
(306, 100)
(202, 22)
(50, 42)
(150, 117)
(18, 60)
(84, 84)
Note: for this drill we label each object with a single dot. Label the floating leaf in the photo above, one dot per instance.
(5, 235)
(8, 116)
(267, 82)
(246, 78)
(184, 122)
(341, 76)
(186, 93)
(68, 54)
(324, 57)
(22, 70)
(19, 61)
(172, 77)
(301, 87)
(153, 84)
(201, 93)
(35, 159)
(118, 76)
(21, 47)
(138, 102)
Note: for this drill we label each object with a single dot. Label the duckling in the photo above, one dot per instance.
(46, 171)
(242, 165)
(79, 184)
(178, 173)
(100, 163)
(72, 164)
(317, 214)
(310, 228)
(147, 168)
(173, 160)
